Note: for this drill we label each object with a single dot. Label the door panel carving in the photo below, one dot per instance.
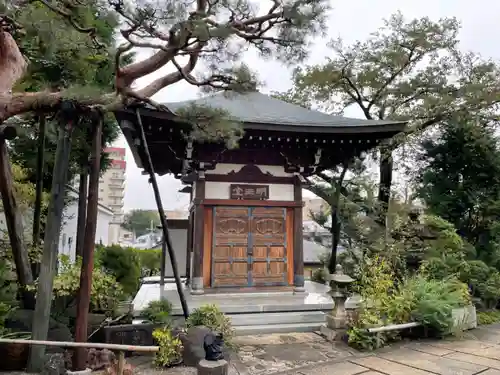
(249, 247)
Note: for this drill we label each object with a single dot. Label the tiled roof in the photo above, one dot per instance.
(255, 107)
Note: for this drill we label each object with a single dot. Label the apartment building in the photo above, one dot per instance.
(112, 183)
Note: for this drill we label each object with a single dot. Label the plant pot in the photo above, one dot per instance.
(14, 356)
(464, 318)
(175, 363)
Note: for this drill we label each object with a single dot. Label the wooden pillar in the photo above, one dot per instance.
(189, 247)
(198, 235)
(298, 251)
(83, 298)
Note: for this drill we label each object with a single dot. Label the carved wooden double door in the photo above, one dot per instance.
(249, 247)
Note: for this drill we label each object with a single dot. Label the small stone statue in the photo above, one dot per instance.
(213, 344)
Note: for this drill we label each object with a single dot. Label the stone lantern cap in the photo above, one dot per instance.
(340, 277)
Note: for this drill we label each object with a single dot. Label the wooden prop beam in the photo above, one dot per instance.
(163, 218)
(13, 217)
(50, 245)
(40, 161)
(83, 301)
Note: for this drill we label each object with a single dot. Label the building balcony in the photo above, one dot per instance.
(118, 177)
(114, 185)
(115, 204)
(115, 194)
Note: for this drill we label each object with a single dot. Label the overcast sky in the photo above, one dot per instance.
(350, 20)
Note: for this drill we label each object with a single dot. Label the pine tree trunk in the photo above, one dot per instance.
(14, 219)
(50, 247)
(335, 230)
(384, 190)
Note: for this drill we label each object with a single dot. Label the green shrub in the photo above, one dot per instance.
(106, 292)
(319, 276)
(211, 317)
(158, 312)
(171, 348)
(420, 299)
(150, 261)
(435, 300)
(488, 317)
(123, 263)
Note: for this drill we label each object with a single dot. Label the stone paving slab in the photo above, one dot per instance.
(342, 368)
(387, 367)
(477, 353)
(432, 363)
(470, 358)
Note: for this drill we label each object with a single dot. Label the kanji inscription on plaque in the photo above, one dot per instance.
(249, 192)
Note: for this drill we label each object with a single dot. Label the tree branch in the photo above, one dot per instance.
(12, 63)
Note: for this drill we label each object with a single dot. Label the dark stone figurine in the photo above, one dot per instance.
(213, 343)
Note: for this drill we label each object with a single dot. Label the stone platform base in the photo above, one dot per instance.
(332, 335)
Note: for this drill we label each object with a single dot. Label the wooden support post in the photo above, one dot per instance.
(83, 301)
(189, 248)
(220, 367)
(40, 161)
(82, 209)
(198, 235)
(163, 218)
(298, 244)
(162, 264)
(121, 363)
(51, 241)
(13, 218)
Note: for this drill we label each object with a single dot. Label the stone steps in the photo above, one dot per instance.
(279, 322)
(281, 328)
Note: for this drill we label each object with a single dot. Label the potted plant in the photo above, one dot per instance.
(170, 353)
(14, 355)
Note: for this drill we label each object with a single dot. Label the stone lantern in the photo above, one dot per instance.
(339, 282)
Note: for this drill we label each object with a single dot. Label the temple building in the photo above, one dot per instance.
(245, 223)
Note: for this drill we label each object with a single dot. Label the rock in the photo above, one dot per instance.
(22, 321)
(220, 367)
(192, 341)
(100, 359)
(55, 364)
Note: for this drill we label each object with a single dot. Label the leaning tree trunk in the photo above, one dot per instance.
(384, 189)
(83, 301)
(14, 219)
(50, 248)
(335, 230)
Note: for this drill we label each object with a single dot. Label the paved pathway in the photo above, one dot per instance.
(478, 352)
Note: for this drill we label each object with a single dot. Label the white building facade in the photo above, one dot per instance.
(67, 238)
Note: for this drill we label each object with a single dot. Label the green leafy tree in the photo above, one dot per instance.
(123, 264)
(210, 36)
(141, 221)
(460, 182)
(61, 57)
(409, 70)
